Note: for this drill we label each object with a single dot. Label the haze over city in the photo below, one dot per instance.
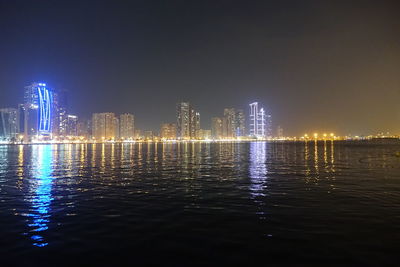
(314, 65)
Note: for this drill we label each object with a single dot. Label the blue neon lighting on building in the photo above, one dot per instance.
(45, 106)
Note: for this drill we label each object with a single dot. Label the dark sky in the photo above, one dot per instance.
(315, 65)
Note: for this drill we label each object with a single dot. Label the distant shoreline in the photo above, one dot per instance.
(369, 140)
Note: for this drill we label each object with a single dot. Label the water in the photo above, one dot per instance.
(201, 203)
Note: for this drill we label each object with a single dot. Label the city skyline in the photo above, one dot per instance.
(313, 65)
(199, 133)
(40, 101)
(44, 114)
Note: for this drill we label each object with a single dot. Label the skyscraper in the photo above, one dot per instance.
(229, 123)
(188, 121)
(103, 126)
(60, 120)
(38, 110)
(126, 124)
(8, 124)
(183, 118)
(257, 121)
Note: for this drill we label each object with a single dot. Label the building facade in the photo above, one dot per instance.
(9, 124)
(126, 124)
(38, 110)
(104, 126)
(168, 131)
(260, 122)
(187, 121)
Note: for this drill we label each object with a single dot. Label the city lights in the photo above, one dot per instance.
(44, 118)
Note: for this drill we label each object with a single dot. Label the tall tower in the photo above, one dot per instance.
(229, 123)
(103, 126)
(126, 124)
(258, 121)
(183, 119)
(253, 119)
(39, 110)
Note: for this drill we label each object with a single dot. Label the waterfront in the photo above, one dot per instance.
(194, 203)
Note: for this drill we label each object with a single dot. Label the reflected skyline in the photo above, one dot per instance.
(66, 189)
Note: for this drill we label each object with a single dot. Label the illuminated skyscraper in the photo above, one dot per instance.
(183, 117)
(103, 126)
(188, 121)
(60, 120)
(8, 124)
(38, 110)
(229, 123)
(126, 126)
(233, 123)
(258, 121)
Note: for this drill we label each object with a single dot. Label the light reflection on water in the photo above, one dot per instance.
(258, 168)
(220, 193)
(41, 197)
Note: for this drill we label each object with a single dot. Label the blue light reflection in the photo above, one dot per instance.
(41, 194)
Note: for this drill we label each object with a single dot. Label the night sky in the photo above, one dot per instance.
(314, 65)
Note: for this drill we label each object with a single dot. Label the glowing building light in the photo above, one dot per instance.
(45, 106)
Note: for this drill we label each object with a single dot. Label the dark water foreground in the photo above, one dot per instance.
(208, 204)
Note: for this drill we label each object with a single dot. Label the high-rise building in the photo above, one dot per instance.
(216, 128)
(188, 121)
(61, 117)
(168, 131)
(103, 126)
(126, 124)
(72, 125)
(183, 118)
(38, 110)
(233, 123)
(260, 122)
(8, 124)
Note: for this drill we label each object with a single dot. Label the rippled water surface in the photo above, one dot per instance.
(201, 203)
